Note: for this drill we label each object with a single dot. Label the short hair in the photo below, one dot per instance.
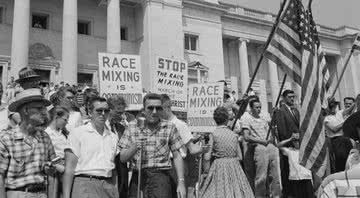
(95, 99)
(151, 96)
(57, 111)
(165, 98)
(60, 94)
(116, 100)
(287, 92)
(221, 115)
(349, 98)
(251, 103)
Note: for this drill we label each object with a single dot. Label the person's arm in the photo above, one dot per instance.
(284, 142)
(2, 186)
(126, 146)
(251, 139)
(194, 149)
(334, 125)
(127, 154)
(179, 167)
(70, 164)
(207, 155)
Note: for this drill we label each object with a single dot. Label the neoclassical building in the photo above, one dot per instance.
(220, 40)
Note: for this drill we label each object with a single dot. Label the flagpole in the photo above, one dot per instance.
(243, 103)
(276, 104)
(343, 71)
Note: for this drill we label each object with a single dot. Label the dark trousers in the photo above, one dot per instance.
(339, 151)
(249, 165)
(123, 177)
(302, 188)
(155, 184)
(286, 184)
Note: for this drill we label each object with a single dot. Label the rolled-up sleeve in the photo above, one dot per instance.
(4, 158)
(175, 142)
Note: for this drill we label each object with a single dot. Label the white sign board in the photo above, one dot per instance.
(120, 74)
(171, 78)
(203, 100)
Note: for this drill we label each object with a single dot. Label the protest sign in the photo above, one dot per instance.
(120, 74)
(203, 100)
(171, 78)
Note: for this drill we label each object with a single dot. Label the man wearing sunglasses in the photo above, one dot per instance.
(155, 139)
(89, 162)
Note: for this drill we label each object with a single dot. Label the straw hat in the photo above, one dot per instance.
(26, 96)
(26, 74)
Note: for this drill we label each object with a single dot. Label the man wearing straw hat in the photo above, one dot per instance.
(28, 78)
(26, 149)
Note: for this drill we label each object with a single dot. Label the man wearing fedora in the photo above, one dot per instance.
(28, 78)
(25, 150)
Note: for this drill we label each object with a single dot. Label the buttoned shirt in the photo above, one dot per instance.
(58, 140)
(157, 145)
(22, 157)
(95, 152)
(331, 122)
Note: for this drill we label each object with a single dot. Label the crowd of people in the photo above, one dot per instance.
(67, 141)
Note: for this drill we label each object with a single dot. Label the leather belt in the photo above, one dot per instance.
(93, 177)
(32, 188)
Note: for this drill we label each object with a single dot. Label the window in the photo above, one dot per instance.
(124, 33)
(84, 27)
(2, 14)
(191, 42)
(40, 21)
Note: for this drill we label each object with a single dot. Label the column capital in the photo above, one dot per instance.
(243, 40)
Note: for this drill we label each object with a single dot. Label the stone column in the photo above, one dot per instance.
(274, 81)
(70, 42)
(20, 37)
(113, 39)
(354, 64)
(244, 64)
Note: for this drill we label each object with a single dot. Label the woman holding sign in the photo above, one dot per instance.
(225, 178)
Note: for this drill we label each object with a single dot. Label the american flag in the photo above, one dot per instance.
(357, 42)
(296, 48)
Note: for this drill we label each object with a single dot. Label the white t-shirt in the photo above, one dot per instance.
(58, 140)
(330, 122)
(184, 132)
(96, 152)
(297, 172)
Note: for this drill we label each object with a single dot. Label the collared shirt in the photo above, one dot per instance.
(184, 133)
(157, 145)
(75, 120)
(331, 122)
(341, 188)
(95, 152)
(22, 157)
(258, 127)
(58, 140)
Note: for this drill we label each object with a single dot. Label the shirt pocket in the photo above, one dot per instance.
(162, 147)
(19, 161)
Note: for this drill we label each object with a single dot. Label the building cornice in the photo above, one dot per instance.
(207, 5)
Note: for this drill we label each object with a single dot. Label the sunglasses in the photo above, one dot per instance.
(158, 108)
(102, 111)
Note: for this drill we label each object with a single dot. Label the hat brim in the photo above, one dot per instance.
(35, 77)
(14, 107)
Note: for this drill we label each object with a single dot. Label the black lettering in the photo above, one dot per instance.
(106, 61)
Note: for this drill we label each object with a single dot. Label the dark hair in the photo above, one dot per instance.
(165, 98)
(95, 99)
(251, 103)
(88, 94)
(287, 92)
(60, 95)
(59, 111)
(114, 101)
(349, 98)
(151, 96)
(221, 115)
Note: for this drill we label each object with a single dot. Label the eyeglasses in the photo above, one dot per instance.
(102, 111)
(158, 108)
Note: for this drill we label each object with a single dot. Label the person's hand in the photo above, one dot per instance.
(295, 136)
(266, 143)
(181, 190)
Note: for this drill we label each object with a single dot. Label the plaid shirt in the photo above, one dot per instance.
(22, 157)
(341, 188)
(157, 146)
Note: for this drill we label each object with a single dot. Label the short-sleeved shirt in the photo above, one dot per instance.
(330, 122)
(58, 140)
(95, 152)
(184, 133)
(157, 146)
(258, 127)
(75, 120)
(22, 157)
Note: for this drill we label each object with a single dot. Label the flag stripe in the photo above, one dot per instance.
(287, 43)
(294, 35)
(284, 66)
(309, 71)
(281, 51)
